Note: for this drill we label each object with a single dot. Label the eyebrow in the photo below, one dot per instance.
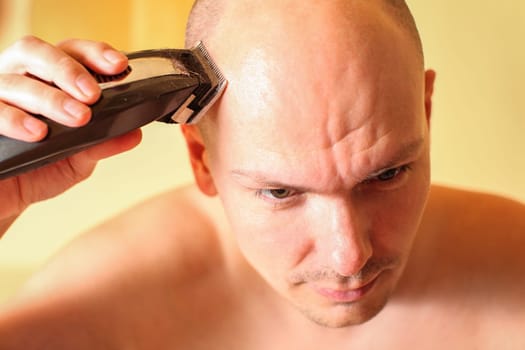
(407, 151)
(263, 180)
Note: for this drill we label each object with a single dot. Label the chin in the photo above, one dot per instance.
(344, 315)
(332, 314)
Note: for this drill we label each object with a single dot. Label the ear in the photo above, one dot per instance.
(199, 159)
(430, 78)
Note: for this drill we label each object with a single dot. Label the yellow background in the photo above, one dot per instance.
(477, 48)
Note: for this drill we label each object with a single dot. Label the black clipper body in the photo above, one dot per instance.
(168, 85)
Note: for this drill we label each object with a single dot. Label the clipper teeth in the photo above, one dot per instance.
(217, 83)
(218, 74)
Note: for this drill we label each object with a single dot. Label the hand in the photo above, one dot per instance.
(52, 81)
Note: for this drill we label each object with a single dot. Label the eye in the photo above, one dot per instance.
(276, 193)
(389, 174)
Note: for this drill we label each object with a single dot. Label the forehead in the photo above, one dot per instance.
(318, 79)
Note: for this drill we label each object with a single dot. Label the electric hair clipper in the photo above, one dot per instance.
(167, 85)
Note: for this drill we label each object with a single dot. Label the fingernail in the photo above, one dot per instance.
(34, 126)
(113, 57)
(87, 85)
(75, 109)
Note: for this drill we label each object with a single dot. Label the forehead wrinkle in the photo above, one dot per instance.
(298, 71)
(325, 174)
(311, 91)
(352, 155)
(314, 169)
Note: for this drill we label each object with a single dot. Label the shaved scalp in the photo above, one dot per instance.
(403, 16)
(203, 19)
(205, 15)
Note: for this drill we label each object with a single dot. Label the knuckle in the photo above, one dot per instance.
(12, 56)
(65, 42)
(52, 100)
(8, 115)
(76, 169)
(102, 46)
(67, 65)
(12, 89)
(9, 82)
(66, 62)
(75, 44)
(27, 42)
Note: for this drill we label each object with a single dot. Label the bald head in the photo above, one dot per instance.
(267, 49)
(206, 15)
(323, 96)
(333, 65)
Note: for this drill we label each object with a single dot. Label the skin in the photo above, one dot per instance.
(313, 200)
(21, 94)
(339, 227)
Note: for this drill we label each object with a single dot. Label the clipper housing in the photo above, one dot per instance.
(167, 85)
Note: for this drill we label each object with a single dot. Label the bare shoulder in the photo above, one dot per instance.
(481, 228)
(491, 216)
(472, 259)
(479, 232)
(172, 229)
(138, 271)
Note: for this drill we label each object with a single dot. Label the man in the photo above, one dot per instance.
(314, 224)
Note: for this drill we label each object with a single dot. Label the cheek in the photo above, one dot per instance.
(271, 241)
(396, 221)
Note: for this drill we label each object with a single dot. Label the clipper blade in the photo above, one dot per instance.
(211, 88)
(217, 77)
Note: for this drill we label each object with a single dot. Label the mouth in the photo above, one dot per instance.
(344, 294)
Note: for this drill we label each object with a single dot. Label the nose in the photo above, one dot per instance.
(348, 245)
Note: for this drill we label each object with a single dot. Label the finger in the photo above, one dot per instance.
(83, 163)
(39, 98)
(19, 125)
(40, 59)
(66, 172)
(115, 146)
(98, 56)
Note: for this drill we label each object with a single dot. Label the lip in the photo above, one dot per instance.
(345, 295)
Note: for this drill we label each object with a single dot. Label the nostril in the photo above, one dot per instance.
(350, 254)
(348, 242)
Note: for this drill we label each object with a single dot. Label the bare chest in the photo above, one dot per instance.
(426, 328)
